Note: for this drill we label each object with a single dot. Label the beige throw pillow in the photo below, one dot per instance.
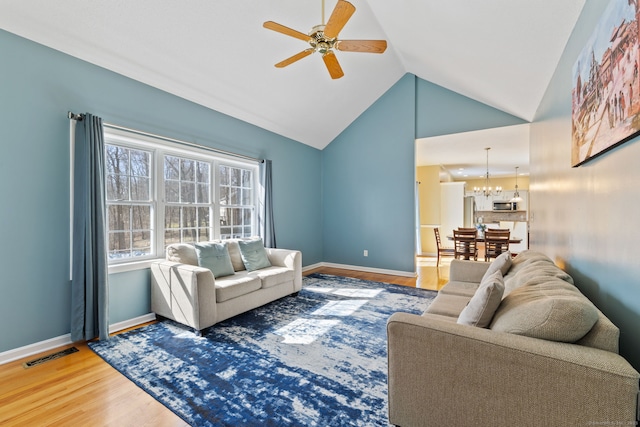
(484, 302)
(502, 264)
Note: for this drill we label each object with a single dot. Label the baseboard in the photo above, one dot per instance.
(31, 349)
(116, 327)
(54, 343)
(368, 269)
(312, 267)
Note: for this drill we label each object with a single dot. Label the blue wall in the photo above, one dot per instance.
(38, 86)
(333, 204)
(368, 185)
(369, 171)
(584, 217)
(440, 111)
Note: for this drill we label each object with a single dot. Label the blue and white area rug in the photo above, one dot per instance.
(316, 359)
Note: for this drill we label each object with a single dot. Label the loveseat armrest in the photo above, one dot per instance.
(480, 377)
(184, 293)
(290, 259)
(467, 271)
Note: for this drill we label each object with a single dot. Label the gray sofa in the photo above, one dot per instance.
(183, 291)
(546, 356)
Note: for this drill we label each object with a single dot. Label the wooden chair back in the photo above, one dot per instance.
(441, 249)
(495, 242)
(465, 244)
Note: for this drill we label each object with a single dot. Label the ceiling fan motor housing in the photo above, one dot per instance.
(319, 42)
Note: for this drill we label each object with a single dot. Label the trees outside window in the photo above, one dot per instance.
(158, 194)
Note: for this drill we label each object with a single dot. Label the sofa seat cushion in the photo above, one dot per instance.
(273, 276)
(448, 305)
(450, 319)
(467, 289)
(239, 284)
(553, 310)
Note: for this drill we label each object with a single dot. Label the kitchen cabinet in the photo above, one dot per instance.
(485, 203)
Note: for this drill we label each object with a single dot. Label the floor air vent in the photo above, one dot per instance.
(53, 356)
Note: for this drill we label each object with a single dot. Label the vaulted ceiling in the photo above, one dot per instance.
(216, 53)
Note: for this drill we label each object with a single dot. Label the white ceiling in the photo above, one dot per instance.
(216, 53)
(463, 155)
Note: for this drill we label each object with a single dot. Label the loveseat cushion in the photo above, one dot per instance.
(550, 309)
(184, 253)
(234, 254)
(273, 276)
(239, 284)
(481, 307)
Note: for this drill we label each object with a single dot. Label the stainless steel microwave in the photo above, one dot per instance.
(504, 205)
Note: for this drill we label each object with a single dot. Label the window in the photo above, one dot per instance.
(160, 193)
(236, 198)
(129, 204)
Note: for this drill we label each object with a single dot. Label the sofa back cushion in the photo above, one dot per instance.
(185, 253)
(549, 309)
(532, 266)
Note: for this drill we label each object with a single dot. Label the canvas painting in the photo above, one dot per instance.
(606, 90)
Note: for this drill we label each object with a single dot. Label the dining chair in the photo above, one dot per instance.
(441, 249)
(495, 242)
(465, 244)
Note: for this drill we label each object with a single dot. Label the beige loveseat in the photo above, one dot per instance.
(547, 356)
(183, 291)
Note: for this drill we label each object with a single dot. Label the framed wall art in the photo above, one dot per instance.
(606, 86)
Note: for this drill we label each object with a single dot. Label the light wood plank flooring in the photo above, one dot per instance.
(82, 389)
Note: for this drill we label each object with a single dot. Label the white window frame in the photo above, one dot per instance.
(158, 149)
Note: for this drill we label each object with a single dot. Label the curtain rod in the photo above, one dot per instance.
(78, 117)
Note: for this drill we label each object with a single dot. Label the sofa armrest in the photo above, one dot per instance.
(290, 259)
(482, 377)
(184, 293)
(467, 271)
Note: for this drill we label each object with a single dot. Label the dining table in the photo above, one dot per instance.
(480, 239)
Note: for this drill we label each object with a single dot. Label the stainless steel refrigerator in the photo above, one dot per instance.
(469, 211)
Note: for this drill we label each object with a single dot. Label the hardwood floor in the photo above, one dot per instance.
(82, 389)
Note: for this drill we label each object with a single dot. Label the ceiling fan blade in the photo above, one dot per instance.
(338, 18)
(294, 58)
(270, 25)
(331, 61)
(369, 46)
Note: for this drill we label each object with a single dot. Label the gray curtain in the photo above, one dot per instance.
(267, 228)
(89, 288)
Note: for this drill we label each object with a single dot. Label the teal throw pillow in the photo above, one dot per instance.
(215, 257)
(254, 255)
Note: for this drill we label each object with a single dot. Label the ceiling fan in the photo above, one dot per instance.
(324, 39)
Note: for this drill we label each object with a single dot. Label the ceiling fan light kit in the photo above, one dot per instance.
(324, 39)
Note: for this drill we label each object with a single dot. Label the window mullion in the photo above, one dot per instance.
(160, 202)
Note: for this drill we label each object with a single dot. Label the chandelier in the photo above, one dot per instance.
(486, 190)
